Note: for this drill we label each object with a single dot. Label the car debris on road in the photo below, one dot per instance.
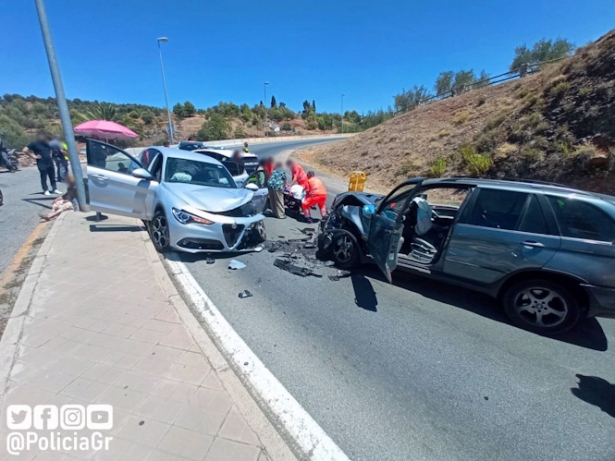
(235, 265)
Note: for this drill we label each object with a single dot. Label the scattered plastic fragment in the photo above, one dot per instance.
(329, 263)
(340, 275)
(245, 294)
(234, 265)
(309, 245)
(307, 230)
(258, 249)
(305, 239)
(294, 269)
(210, 260)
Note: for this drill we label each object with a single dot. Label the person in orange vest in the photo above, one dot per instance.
(297, 173)
(315, 194)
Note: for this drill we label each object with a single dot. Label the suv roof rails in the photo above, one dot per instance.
(528, 181)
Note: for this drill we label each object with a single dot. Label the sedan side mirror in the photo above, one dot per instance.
(142, 173)
(251, 186)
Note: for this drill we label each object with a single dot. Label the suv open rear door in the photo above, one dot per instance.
(384, 239)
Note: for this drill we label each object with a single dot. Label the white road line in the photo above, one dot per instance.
(307, 436)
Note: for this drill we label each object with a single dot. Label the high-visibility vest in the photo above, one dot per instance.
(316, 187)
(246, 149)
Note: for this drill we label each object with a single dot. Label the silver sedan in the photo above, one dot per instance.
(189, 201)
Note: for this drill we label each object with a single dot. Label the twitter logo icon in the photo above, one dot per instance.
(19, 417)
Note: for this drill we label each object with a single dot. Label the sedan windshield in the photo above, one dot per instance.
(179, 170)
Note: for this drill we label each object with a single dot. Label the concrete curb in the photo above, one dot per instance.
(14, 327)
(275, 446)
(304, 435)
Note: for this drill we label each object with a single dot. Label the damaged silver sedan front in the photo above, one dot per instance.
(189, 201)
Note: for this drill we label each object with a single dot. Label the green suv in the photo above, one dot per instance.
(545, 251)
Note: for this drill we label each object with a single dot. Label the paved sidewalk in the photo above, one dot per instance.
(96, 324)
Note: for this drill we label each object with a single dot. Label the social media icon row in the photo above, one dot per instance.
(67, 417)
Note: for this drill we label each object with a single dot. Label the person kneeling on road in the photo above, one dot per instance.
(316, 194)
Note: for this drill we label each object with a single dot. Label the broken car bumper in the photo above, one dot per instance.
(225, 234)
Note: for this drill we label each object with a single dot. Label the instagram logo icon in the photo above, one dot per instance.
(72, 417)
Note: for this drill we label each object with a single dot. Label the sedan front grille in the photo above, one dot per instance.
(232, 232)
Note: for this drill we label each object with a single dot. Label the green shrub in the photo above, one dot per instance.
(133, 114)
(584, 91)
(559, 89)
(438, 168)
(147, 116)
(532, 154)
(478, 164)
(287, 127)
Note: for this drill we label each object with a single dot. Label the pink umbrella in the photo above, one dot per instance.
(104, 129)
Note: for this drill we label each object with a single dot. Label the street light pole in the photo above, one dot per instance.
(67, 124)
(342, 109)
(265, 103)
(164, 84)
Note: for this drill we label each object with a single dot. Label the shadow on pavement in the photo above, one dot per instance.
(36, 201)
(364, 294)
(596, 391)
(588, 334)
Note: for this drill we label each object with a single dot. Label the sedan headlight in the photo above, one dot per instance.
(186, 218)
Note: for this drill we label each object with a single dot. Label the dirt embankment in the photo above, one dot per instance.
(556, 125)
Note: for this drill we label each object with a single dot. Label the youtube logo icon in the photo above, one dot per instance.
(99, 417)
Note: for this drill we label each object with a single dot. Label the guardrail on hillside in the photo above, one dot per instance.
(239, 142)
(519, 72)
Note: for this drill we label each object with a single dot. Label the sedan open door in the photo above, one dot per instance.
(387, 225)
(117, 184)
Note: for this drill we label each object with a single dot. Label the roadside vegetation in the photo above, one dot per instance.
(555, 125)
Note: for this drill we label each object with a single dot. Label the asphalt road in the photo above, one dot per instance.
(419, 370)
(23, 201)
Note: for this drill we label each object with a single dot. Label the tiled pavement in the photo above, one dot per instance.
(98, 329)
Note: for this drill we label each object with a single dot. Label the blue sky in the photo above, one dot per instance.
(223, 50)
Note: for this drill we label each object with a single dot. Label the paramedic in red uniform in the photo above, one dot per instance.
(298, 174)
(315, 194)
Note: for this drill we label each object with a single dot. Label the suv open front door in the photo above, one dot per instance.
(387, 225)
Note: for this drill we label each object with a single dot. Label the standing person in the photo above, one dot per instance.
(315, 194)
(40, 151)
(57, 154)
(297, 173)
(166, 144)
(246, 149)
(269, 166)
(277, 184)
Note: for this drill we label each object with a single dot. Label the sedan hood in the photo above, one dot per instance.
(212, 199)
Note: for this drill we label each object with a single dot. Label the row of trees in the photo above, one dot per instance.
(450, 81)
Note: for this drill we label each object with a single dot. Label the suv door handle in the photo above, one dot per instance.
(531, 243)
(101, 177)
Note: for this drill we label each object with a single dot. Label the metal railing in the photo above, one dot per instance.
(519, 72)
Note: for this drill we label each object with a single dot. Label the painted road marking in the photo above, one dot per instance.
(306, 433)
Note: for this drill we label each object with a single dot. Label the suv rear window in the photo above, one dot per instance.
(498, 209)
(582, 220)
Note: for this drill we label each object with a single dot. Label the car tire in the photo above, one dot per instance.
(344, 251)
(159, 232)
(542, 306)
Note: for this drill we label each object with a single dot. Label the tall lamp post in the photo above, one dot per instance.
(67, 124)
(265, 103)
(164, 84)
(342, 113)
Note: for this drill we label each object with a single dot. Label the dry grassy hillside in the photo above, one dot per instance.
(556, 125)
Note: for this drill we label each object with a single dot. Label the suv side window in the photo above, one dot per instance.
(498, 209)
(582, 220)
(533, 220)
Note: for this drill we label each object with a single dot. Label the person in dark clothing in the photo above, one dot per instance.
(58, 154)
(40, 151)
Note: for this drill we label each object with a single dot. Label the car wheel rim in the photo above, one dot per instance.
(541, 307)
(160, 232)
(343, 249)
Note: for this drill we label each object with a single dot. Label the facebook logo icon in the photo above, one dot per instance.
(45, 417)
